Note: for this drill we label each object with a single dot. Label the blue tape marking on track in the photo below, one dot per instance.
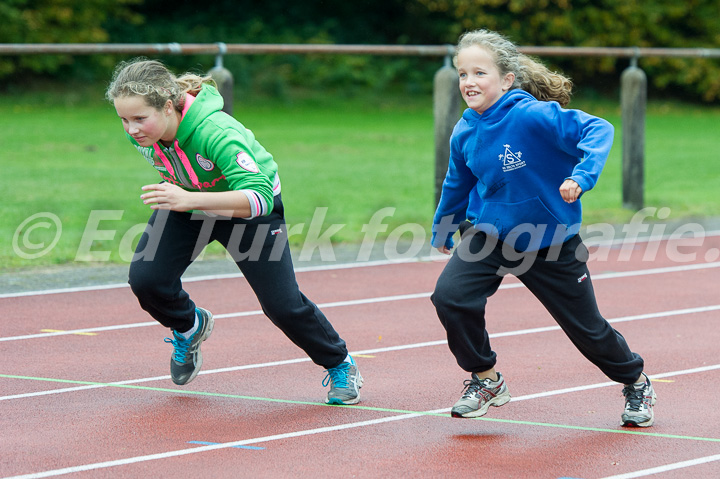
(214, 443)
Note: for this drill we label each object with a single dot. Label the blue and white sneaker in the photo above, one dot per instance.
(345, 383)
(186, 359)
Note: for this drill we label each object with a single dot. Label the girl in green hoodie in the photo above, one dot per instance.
(217, 184)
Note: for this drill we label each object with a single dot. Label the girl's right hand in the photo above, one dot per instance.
(570, 191)
(166, 196)
(444, 250)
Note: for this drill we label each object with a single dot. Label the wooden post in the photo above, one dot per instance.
(224, 80)
(633, 97)
(446, 109)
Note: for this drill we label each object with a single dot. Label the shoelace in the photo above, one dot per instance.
(634, 397)
(181, 346)
(338, 375)
(471, 386)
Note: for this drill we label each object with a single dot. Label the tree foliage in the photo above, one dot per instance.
(605, 23)
(310, 21)
(597, 23)
(56, 21)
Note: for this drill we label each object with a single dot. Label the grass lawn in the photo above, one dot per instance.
(65, 158)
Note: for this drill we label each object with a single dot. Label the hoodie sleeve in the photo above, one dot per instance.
(246, 165)
(587, 137)
(452, 208)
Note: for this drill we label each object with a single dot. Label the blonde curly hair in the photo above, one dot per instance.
(152, 80)
(530, 75)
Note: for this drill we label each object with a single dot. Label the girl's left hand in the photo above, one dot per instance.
(570, 191)
(166, 196)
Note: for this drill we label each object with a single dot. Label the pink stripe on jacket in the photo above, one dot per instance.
(189, 99)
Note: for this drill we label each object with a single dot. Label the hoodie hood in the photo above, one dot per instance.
(197, 109)
(499, 109)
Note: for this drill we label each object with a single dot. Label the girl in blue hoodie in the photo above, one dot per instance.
(519, 162)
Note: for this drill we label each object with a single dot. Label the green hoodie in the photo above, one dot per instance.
(215, 152)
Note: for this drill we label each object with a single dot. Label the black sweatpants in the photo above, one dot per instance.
(557, 276)
(172, 241)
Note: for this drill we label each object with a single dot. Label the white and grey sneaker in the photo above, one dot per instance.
(186, 359)
(345, 382)
(639, 401)
(479, 395)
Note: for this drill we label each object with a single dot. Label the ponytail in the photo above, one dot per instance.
(192, 84)
(543, 84)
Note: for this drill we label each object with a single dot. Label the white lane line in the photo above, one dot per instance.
(340, 427)
(441, 342)
(591, 243)
(195, 279)
(666, 468)
(667, 269)
(433, 257)
(556, 392)
(195, 450)
(84, 330)
(401, 297)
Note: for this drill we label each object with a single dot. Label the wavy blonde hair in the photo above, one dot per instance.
(530, 75)
(152, 80)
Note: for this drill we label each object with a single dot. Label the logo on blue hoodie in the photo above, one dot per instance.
(511, 161)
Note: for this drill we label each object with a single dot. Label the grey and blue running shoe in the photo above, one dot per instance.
(345, 382)
(187, 359)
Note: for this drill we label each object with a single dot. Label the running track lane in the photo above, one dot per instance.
(242, 399)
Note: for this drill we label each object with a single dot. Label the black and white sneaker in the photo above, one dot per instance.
(479, 395)
(639, 401)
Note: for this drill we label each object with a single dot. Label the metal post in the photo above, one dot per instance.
(446, 109)
(224, 79)
(633, 98)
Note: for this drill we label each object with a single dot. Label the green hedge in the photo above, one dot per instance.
(597, 23)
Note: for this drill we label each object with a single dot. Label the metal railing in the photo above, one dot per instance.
(270, 48)
(446, 100)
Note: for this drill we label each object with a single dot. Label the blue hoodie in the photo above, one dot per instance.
(506, 167)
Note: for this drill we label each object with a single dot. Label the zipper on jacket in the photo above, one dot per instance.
(177, 166)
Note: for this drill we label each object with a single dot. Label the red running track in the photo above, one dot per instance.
(94, 398)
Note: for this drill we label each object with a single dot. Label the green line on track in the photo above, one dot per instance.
(364, 408)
